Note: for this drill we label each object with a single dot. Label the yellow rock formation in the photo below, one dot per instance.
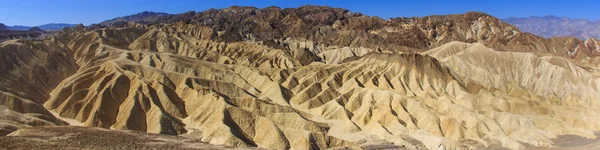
(455, 96)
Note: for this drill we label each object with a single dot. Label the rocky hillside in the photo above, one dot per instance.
(335, 27)
(311, 77)
(552, 26)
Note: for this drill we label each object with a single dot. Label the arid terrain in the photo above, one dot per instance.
(312, 77)
(97, 138)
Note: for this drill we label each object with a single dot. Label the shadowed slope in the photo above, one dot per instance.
(31, 69)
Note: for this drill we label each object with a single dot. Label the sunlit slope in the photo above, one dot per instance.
(30, 70)
(447, 96)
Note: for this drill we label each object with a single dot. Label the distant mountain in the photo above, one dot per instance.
(7, 33)
(55, 26)
(19, 28)
(36, 29)
(143, 17)
(3, 27)
(552, 26)
(46, 27)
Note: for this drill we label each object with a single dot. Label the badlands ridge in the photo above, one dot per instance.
(307, 78)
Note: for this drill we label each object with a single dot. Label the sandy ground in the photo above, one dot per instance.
(95, 138)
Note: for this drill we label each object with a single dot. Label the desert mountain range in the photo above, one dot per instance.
(6, 33)
(312, 77)
(552, 26)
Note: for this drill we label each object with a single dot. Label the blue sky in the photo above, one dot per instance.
(37, 12)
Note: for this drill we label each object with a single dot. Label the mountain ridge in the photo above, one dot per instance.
(554, 26)
(312, 77)
(270, 23)
(46, 27)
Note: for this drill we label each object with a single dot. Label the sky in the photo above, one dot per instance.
(38, 12)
